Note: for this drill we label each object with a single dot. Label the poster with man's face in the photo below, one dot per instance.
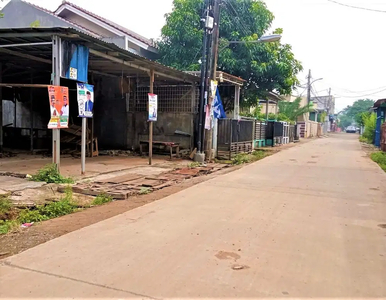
(85, 100)
(59, 107)
(153, 107)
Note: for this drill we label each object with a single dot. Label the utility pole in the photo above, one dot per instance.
(213, 73)
(208, 26)
(309, 87)
(329, 108)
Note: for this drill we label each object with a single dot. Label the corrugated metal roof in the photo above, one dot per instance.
(131, 60)
(379, 103)
(223, 76)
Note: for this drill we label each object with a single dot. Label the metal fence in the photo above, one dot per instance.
(234, 136)
(292, 133)
(171, 98)
(260, 130)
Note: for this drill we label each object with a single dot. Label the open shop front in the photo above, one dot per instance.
(32, 59)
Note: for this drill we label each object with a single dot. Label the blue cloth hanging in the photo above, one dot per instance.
(218, 108)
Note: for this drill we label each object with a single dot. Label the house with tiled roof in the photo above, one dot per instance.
(21, 14)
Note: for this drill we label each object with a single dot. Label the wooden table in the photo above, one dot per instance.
(171, 146)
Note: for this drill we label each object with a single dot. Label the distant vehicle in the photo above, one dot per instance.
(351, 129)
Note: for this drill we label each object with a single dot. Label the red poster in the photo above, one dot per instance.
(59, 107)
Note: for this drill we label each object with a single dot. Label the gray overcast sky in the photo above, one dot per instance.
(345, 46)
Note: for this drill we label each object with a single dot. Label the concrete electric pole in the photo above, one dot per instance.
(213, 74)
(309, 87)
(208, 26)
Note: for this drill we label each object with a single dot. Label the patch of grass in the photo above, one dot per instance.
(50, 174)
(31, 215)
(40, 213)
(242, 158)
(194, 165)
(5, 205)
(145, 191)
(49, 211)
(8, 225)
(102, 199)
(380, 159)
(245, 158)
(259, 154)
(365, 140)
(223, 161)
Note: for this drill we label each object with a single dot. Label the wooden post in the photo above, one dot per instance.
(92, 136)
(32, 117)
(1, 109)
(151, 122)
(56, 65)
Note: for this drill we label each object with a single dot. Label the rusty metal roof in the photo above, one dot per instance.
(126, 63)
(379, 103)
(223, 77)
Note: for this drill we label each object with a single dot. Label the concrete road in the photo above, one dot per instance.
(309, 221)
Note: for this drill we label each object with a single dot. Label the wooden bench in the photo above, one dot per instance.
(171, 146)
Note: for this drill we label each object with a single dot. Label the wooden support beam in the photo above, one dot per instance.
(26, 85)
(24, 55)
(134, 65)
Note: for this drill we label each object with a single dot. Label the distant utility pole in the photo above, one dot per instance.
(213, 72)
(329, 108)
(309, 87)
(208, 26)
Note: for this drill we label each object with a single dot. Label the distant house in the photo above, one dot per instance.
(21, 14)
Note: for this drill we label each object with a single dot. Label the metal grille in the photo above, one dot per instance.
(234, 136)
(181, 98)
(260, 128)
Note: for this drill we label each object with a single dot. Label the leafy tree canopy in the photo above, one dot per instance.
(356, 113)
(293, 110)
(266, 66)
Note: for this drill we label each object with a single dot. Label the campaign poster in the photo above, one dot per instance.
(153, 107)
(59, 107)
(85, 100)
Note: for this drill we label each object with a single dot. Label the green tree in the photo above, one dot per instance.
(345, 121)
(292, 110)
(265, 66)
(357, 108)
(356, 113)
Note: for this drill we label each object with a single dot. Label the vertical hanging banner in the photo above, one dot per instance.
(85, 94)
(218, 108)
(213, 87)
(208, 117)
(59, 107)
(74, 61)
(153, 107)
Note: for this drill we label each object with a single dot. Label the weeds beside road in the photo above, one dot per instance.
(380, 158)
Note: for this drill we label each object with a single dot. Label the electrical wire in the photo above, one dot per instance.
(361, 92)
(357, 7)
(235, 14)
(361, 96)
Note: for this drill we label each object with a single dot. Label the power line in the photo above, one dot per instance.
(361, 92)
(363, 95)
(236, 15)
(356, 7)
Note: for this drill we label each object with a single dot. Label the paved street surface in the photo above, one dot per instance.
(309, 221)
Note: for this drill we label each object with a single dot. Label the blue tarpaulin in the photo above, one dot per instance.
(75, 61)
